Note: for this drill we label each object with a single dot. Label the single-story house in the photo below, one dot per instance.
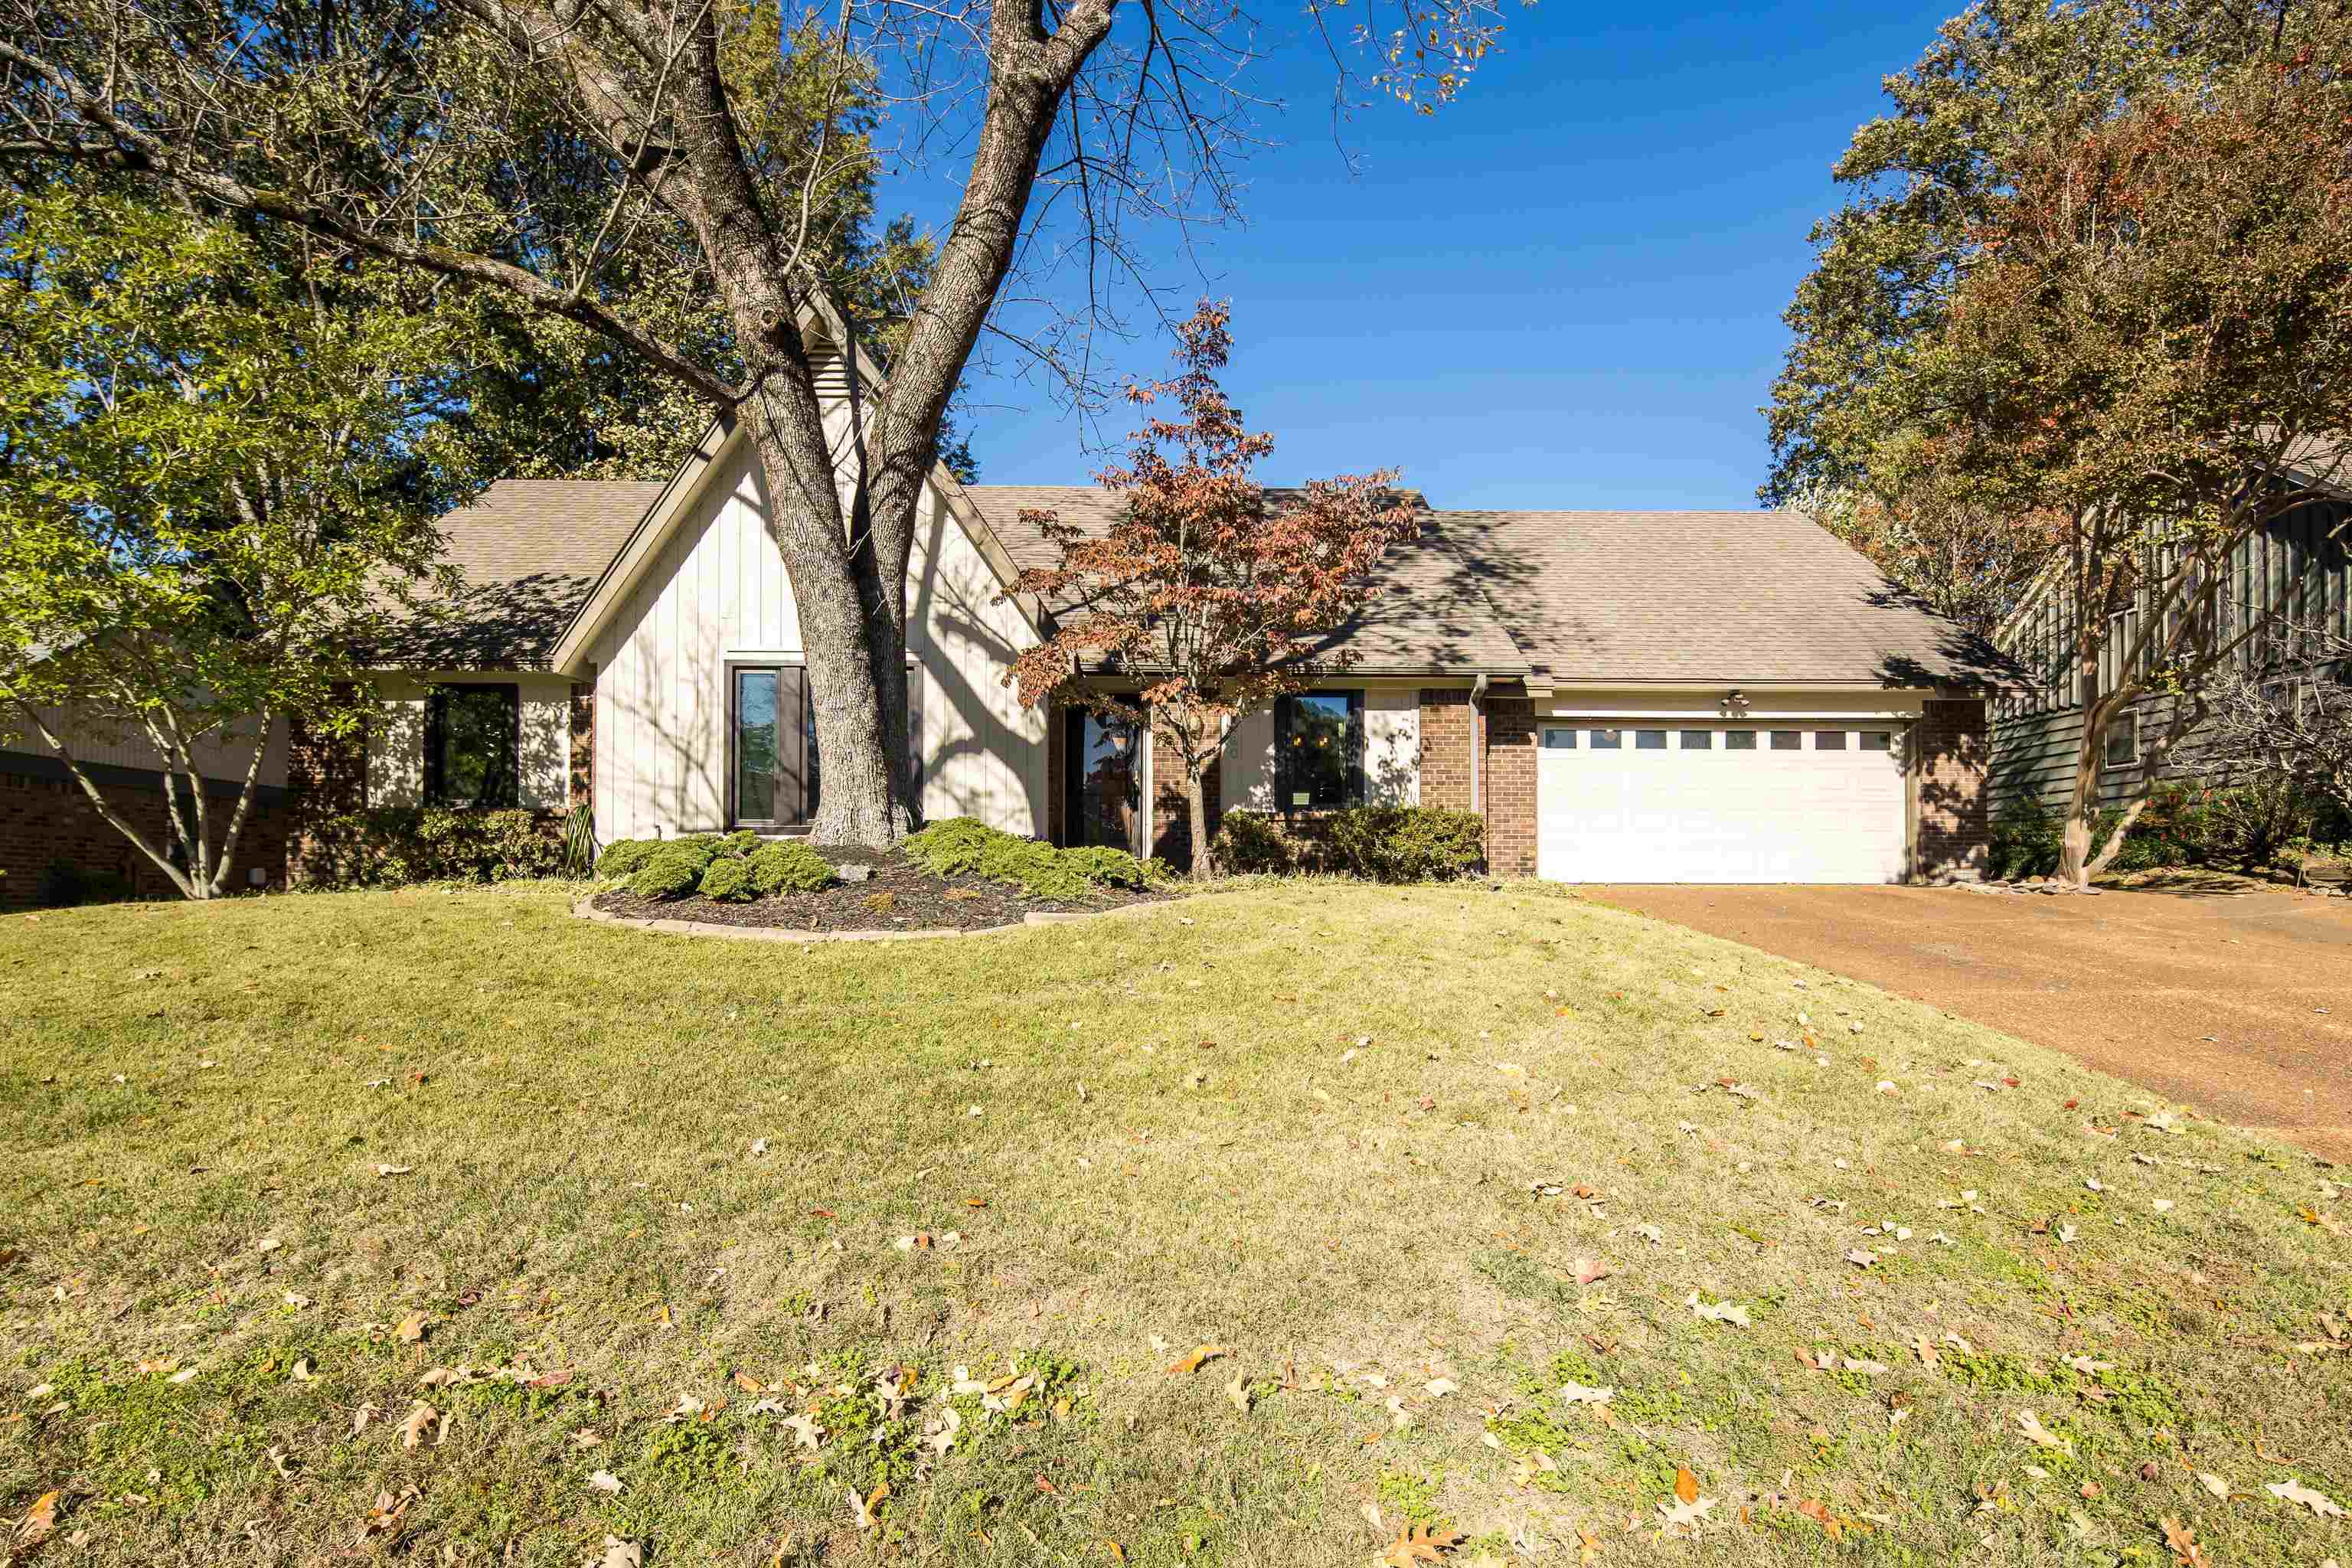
(1689, 696)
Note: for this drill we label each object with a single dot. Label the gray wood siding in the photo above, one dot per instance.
(2298, 569)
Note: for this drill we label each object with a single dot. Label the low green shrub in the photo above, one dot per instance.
(671, 871)
(742, 841)
(1405, 842)
(789, 867)
(953, 848)
(1251, 843)
(390, 846)
(2246, 826)
(1378, 843)
(729, 879)
(961, 846)
(623, 858)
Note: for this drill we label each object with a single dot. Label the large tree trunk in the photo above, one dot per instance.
(858, 781)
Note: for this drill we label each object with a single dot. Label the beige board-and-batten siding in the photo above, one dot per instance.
(396, 739)
(717, 596)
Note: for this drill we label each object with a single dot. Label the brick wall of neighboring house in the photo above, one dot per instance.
(49, 832)
(1509, 785)
(1951, 750)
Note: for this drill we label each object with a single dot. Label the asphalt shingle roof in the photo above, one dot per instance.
(1591, 596)
(531, 550)
(1738, 598)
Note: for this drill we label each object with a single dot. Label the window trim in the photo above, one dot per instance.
(1352, 789)
(736, 820)
(2108, 761)
(436, 698)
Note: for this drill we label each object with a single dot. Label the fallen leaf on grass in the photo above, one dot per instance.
(1192, 1363)
(618, 1553)
(394, 1170)
(413, 1328)
(1577, 1394)
(1716, 1311)
(412, 1431)
(38, 1520)
(864, 1507)
(1237, 1393)
(2297, 1493)
(1423, 1544)
(604, 1481)
(2214, 1484)
(1589, 1269)
(586, 1438)
(2183, 1543)
(303, 1372)
(362, 1415)
(2038, 1434)
(1685, 1484)
(1859, 1258)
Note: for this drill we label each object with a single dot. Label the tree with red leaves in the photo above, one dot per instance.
(1204, 599)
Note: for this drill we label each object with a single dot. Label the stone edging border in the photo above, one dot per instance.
(586, 909)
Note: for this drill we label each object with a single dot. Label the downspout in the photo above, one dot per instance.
(1477, 689)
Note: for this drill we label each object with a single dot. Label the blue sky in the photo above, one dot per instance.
(1564, 291)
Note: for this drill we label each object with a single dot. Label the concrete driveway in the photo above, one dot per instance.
(2132, 984)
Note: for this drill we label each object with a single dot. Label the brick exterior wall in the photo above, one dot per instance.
(1509, 785)
(326, 776)
(1950, 750)
(1171, 829)
(46, 821)
(1445, 720)
(582, 790)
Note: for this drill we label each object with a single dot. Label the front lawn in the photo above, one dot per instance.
(446, 1228)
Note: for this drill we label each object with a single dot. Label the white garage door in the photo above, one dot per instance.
(1720, 803)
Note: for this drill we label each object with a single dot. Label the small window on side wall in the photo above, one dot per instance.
(472, 736)
(1319, 738)
(2122, 741)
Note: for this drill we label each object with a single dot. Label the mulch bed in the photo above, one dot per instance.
(917, 901)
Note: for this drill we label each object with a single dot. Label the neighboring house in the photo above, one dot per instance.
(1731, 695)
(2297, 570)
(54, 846)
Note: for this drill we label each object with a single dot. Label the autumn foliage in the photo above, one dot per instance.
(1205, 598)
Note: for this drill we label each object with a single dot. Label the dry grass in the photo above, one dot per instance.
(1148, 1127)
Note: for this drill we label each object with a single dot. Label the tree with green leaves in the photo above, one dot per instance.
(219, 475)
(426, 133)
(2096, 282)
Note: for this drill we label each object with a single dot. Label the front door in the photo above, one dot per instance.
(1105, 791)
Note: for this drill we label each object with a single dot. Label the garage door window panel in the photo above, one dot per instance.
(1607, 740)
(1698, 739)
(1787, 740)
(1829, 739)
(1558, 740)
(1649, 740)
(1739, 740)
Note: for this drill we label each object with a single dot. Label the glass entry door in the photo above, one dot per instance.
(1105, 802)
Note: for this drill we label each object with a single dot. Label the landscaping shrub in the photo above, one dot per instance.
(954, 847)
(623, 858)
(389, 845)
(1405, 842)
(1250, 843)
(672, 870)
(791, 868)
(961, 846)
(727, 879)
(2245, 827)
(1378, 843)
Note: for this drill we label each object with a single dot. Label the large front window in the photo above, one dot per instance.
(470, 734)
(1318, 741)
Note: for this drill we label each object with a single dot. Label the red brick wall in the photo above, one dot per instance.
(1509, 785)
(325, 776)
(46, 821)
(1171, 829)
(1446, 749)
(1950, 748)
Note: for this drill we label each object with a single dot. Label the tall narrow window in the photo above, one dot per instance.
(472, 736)
(774, 763)
(1319, 740)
